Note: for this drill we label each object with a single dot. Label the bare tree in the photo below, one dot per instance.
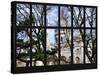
(90, 40)
(38, 34)
(78, 21)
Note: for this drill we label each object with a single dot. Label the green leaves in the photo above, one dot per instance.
(22, 44)
(38, 56)
(52, 51)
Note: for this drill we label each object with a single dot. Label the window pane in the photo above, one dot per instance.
(78, 17)
(78, 52)
(52, 47)
(65, 17)
(90, 41)
(38, 46)
(52, 15)
(37, 15)
(90, 17)
(65, 46)
(23, 47)
(22, 14)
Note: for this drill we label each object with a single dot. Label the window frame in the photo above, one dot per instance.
(47, 68)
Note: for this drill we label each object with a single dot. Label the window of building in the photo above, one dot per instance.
(51, 35)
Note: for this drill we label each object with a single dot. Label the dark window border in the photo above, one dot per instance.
(71, 66)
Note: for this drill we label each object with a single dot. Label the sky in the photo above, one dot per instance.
(51, 36)
(52, 16)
